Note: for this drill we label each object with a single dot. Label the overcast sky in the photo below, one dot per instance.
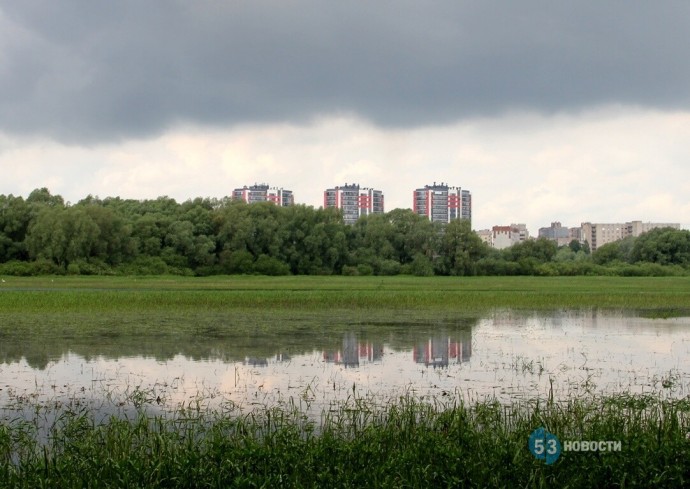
(544, 110)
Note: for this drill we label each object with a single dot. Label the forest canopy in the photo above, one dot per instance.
(43, 234)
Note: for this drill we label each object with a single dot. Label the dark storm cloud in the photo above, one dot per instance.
(89, 70)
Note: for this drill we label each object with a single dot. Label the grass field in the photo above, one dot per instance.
(69, 306)
(471, 294)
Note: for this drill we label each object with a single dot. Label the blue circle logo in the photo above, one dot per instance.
(544, 445)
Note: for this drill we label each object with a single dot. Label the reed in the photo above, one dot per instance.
(406, 442)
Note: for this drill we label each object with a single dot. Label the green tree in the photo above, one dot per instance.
(665, 246)
(460, 249)
(62, 235)
(616, 251)
(15, 216)
(41, 197)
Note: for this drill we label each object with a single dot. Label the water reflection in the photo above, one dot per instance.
(440, 350)
(354, 348)
(508, 355)
(354, 352)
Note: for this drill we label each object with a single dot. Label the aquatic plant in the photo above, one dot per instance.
(405, 442)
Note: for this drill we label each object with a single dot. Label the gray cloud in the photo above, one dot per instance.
(96, 71)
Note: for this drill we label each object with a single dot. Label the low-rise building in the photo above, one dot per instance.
(487, 236)
(505, 236)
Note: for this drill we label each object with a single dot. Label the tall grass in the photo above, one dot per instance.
(406, 443)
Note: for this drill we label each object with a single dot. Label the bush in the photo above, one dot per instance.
(267, 265)
(422, 266)
(497, 266)
(237, 262)
(16, 268)
(84, 267)
(350, 271)
(389, 267)
(146, 265)
(365, 269)
(43, 266)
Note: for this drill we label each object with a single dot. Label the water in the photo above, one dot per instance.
(508, 356)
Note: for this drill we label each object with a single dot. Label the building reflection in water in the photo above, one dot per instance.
(441, 350)
(354, 353)
(263, 362)
(436, 351)
(256, 361)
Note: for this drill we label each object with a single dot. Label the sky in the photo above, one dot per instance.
(545, 110)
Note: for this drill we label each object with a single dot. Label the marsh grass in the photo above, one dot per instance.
(405, 442)
(64, 294)
(218, 306)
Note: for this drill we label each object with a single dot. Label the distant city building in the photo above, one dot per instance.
(523, 233)
(441, 203)
(264, 193)
(354, 201)
(506, 236)
(599, 234)
(561, 235)
(486, 235)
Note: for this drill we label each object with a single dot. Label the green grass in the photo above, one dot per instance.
(317, 293)
(406, 443)
(70, 306)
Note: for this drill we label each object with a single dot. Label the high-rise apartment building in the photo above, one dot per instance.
(264, 193)
(354, 201)
(599, 234)
(441, 203)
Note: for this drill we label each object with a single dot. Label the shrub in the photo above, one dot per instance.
(350, 271)
(16, 268)
(43, 266)
(268, 265)
(389, 267)
(422, 266)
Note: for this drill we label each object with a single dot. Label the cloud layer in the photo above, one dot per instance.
(611, 165)
(99, 71)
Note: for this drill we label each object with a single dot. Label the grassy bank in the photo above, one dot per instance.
(404, 444)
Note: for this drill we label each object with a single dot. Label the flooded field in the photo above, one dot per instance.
(509, 356)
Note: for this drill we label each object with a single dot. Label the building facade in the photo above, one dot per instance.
(264, 193)
(354, 201)
(599, 234)
(561, 235)
(505, 236)
(487, 236)
(441, 203)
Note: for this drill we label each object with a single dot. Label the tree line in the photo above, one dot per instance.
(43, 234)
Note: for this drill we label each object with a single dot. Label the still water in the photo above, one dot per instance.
(507, 355)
